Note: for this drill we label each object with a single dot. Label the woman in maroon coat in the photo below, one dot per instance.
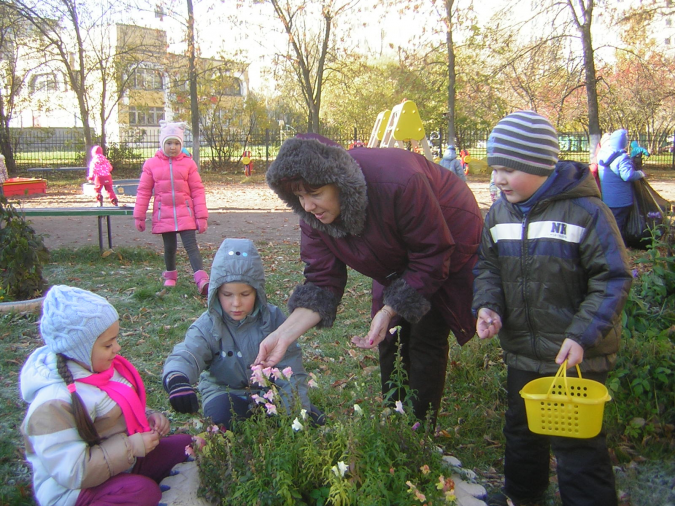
(399, 219)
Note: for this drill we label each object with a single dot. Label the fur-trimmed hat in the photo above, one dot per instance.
(168, 130)
(524, 141)
(73, 319)
(319, 162)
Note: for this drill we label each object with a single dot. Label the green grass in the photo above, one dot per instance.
(153, 320)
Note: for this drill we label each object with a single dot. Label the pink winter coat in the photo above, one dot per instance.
(179, 198)
(99, 164)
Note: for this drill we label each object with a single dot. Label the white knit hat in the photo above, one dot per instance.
(72, 320)
(524, 141)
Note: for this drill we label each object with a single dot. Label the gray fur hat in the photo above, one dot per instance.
(319, 164)
(73, 319)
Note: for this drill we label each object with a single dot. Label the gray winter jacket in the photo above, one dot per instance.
(219, 351)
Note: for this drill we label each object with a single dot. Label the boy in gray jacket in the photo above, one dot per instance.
(222, 344)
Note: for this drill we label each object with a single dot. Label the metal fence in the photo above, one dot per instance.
(223, 150)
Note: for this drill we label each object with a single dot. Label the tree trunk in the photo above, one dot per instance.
(192, 76)
(452, 75)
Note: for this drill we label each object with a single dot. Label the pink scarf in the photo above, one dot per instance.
(130, 400)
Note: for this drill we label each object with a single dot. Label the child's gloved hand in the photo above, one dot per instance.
(182, 396)
(202, 225)
(140, 225)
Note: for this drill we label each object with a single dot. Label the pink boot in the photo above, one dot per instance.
(170, 278)
(202, 281)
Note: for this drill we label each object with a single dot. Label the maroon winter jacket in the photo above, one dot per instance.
(421, 224)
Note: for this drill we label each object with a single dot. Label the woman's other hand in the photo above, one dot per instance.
(378, 329)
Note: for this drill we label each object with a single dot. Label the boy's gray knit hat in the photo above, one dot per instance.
(72, 320)
(524, 141)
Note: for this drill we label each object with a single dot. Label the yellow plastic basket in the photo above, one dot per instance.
(562, 406)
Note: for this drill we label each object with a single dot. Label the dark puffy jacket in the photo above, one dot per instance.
(559, 272)
(410, 225)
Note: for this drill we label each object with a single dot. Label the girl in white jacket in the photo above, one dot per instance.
(89, 436)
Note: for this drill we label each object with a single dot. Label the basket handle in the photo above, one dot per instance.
(562, 372)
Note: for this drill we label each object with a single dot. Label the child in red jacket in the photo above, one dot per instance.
(179, 203)
(99, 173)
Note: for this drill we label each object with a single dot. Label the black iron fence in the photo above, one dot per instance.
(223, 150)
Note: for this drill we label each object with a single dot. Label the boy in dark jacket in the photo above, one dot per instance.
(552, 279)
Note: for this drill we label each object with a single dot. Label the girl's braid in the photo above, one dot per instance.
(85, 426)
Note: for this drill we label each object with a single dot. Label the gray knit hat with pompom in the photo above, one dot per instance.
(72, 320)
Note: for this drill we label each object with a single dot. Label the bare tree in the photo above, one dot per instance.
(14, 73)
(309, 46)
(60, 23)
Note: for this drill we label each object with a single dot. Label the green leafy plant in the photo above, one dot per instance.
(375, 455)
(22, 255)
(643, 381)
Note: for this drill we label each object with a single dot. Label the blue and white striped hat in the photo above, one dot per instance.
(524, 141)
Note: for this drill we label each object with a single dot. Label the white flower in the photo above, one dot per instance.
(340, 469)
(303, 414)
(358, 410)
(399, 407)
(297, 426)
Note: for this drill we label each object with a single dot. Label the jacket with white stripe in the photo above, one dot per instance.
(560, 271)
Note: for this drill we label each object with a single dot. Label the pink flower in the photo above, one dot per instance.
(189, 451)
(199, 442)
(271, 408)
(257, 399)
(416, 426)
(268, 371)
(287, 372)
(257, 377)
(269, 395)
(312, 384)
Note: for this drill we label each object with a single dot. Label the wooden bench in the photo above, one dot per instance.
(101, 213)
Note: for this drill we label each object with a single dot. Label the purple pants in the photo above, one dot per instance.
(140, 487)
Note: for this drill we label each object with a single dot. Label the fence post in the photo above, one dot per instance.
(672, 165)
(267, 148)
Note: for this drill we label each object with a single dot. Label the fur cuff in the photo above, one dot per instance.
(406, 301)
(317, 299)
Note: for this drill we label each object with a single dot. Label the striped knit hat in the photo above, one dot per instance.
(524, 141)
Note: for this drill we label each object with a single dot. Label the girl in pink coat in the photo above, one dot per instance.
(99, 172)
(179, 203)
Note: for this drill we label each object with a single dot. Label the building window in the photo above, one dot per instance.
(146, 79)
(145, 116)
(43, 82)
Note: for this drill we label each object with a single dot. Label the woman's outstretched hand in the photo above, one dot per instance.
(273, 348)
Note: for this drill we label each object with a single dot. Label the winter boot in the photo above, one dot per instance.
(202, 282)
(170, 278)
(99, 197)
(114, 202)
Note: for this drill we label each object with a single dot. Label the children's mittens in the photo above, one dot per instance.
(140, 225)
(202, 225)
(182, 396)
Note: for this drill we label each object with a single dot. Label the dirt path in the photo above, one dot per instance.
(235, 210)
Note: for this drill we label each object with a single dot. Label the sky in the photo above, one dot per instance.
(244, 33)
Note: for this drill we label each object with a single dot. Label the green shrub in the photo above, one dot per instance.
(372, 455)
(22, 255)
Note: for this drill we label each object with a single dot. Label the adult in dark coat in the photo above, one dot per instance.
(392, 215)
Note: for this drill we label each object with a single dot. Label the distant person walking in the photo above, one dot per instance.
(617, 173)
(452, 163)
(636, 154)
(99, 173)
